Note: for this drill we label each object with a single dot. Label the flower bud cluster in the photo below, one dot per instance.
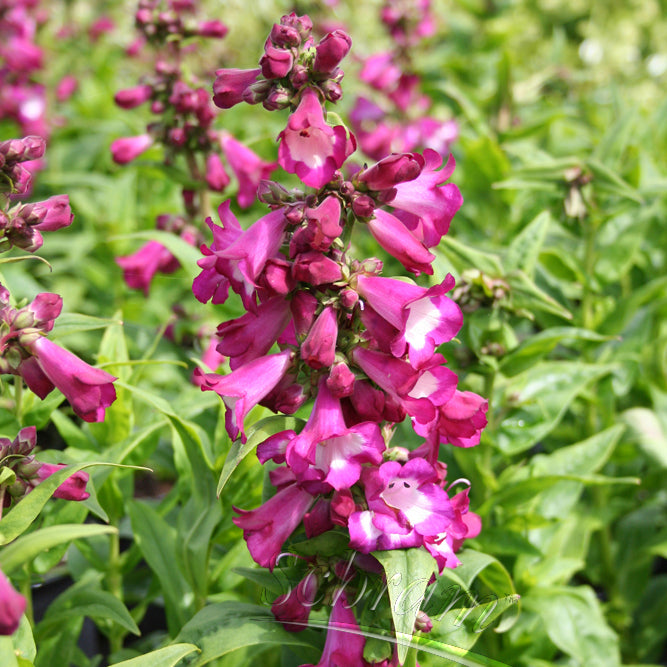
(26, 473)
(22, 97)
(25, 351)
(291, 62)
(15, 178)
(323, 325)
(399, 122)
(184, 129)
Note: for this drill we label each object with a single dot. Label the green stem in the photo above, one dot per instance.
(18, 398)
(26, 592)
(115, 583)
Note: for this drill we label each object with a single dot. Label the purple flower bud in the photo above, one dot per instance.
(319, 348)
(332, 90)
(276, 63)
(363, 206)
(423, 623)
(341, 380)
(215, 29)
(278, 98)
(256, 92)
(73, 488)
(299, 76)
(302, 24)
(331, 50)
(128, 148)
(133, 97)
(284, 36)
(230, 84)
(394, 169)
(216, 176)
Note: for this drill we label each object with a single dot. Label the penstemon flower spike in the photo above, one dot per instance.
(363, 346)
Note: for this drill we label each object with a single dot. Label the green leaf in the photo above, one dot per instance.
(408, 572)
(19, 518)
(542, 395)
(580, 459)
(607, 180)
(575, 624)
(228, 626)
(259, 432)
(168, 656)
(70, 323)
(464, 257)
(524, 249)
(540, 344)
(24, 643)
(26, 547)
(649, 433)
(8, 656)
(158, 542)
(85, 598)
(527, 296)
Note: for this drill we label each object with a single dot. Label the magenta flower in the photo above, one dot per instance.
(126, 149)
(424, 318)
(252, 335)
(140, 267)
(216, 176)
(319, 348)
(12, 606)
(237, 258)
(344, 646)
(405, 505)
(230, 84)
(73, 488)
(460, 421)
(426, 204)
(245, 387)
(266, 528)
(398, 241)
(309, 147)
(210, 284)
(129, 98)
(89, 390)
(327, 450)
(248, 167)
(292, 609)
(388, 172)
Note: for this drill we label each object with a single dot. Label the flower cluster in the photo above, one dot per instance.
(22, 97)
(27, 473)
(184, 128)
(22, 225)
(21, 473)
(400, 122)
(291, 63)
(363, 346)
(26, 351)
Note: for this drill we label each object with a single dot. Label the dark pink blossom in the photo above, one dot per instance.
(242, 389)
(126, 149)
(12, 606)
(89, 390)
(400, 242)
(73, 488)
(129, 98)
(309, 147)
(248, 167)
(230, 84)
(292, 609)
(266, 528)
(140, 267)
(344, 646)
